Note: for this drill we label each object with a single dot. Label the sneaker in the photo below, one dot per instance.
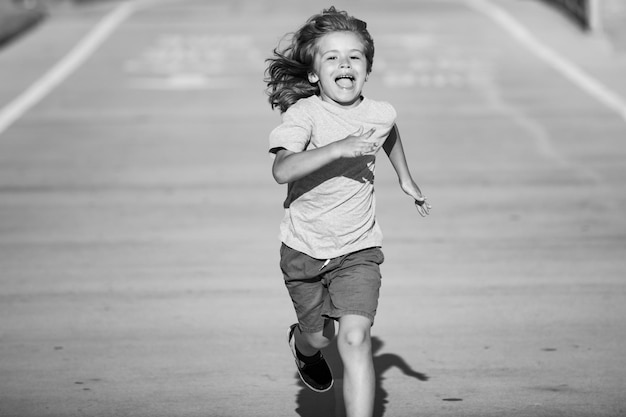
(316, 376)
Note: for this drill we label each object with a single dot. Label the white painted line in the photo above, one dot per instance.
(184, 82)
(570, 71)
(64, 68)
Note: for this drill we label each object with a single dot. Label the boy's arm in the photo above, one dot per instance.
(394, 150)
(290, 166)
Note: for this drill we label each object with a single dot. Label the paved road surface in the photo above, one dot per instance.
(138, 217)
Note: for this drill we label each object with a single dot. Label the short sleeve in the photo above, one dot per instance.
(294, 133)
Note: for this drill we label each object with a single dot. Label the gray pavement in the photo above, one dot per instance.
(138, 219)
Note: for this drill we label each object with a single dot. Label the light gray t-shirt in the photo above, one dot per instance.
(331, 212)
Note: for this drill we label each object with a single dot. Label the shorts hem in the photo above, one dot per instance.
(340, 314)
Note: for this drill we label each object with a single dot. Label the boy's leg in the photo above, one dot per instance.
(310, 343)
(355, 349)
(354, 287)
(312, 366)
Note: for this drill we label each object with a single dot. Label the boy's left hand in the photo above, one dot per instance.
(423, 207)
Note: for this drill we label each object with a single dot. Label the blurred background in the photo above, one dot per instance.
(138, 216)
(598, 16)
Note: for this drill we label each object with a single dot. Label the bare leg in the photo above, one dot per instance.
(355, 348)
(309, 343)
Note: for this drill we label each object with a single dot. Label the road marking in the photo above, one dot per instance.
(64, 68)
(570, 71)
(183, 62)
(184, 82)
(422, 60)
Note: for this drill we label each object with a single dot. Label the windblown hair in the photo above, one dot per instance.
(288, 70)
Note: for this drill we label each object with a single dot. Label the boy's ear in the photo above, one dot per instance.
(313, 78)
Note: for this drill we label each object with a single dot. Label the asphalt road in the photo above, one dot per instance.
(138, 217)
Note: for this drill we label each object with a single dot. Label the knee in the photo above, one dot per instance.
(355, 338)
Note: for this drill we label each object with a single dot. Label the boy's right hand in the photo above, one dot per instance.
(357, 144)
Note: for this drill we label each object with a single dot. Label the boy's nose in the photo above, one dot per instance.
(344, 63)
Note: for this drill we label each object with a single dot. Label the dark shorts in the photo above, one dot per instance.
(349, 284)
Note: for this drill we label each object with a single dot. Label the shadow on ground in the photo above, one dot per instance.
(17, 17)
(330, 404)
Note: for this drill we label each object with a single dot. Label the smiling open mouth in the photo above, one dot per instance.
(345, 81)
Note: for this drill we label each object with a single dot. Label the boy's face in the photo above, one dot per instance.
(340, 68)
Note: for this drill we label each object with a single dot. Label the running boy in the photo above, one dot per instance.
(325, 150)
